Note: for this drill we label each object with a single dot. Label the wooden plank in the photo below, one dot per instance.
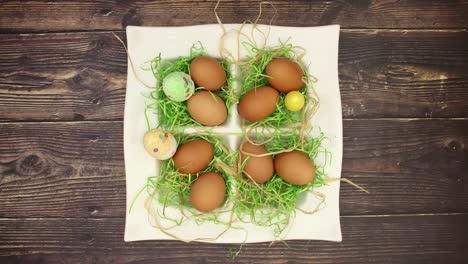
(62, 169)
(404, 73)
(77, 169)
(36, 15)
(383, 73)
(408, 163)
(392, 239)
(62, 77)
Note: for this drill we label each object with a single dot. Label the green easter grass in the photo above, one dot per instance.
(173, 115)
(273, 203)
(253, 72)
(172, 189)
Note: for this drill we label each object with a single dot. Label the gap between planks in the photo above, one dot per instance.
(401, 119)
(351, 30)
(346, 29)
(343, 216)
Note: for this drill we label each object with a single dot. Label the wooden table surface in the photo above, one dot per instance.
(403, 72)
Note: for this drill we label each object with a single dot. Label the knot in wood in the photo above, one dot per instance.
(31, 165)
(132, 18)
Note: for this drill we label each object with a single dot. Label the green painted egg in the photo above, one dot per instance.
(178, 86)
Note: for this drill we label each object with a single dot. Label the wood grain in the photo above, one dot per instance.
(77, 169)
(421, 239)
(383, 73)
(70, 169)
(36, 15)
(62, 77)
(404, 73)
(62, 184)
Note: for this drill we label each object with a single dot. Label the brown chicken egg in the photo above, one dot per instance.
(208, 73)
(258, 103)
(295, 167)
(260, 169)
(208, 191)
(207, 108)
(193, 156)
(284, 75)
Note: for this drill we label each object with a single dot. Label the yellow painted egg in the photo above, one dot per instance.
(294, 101)
(159, 144)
